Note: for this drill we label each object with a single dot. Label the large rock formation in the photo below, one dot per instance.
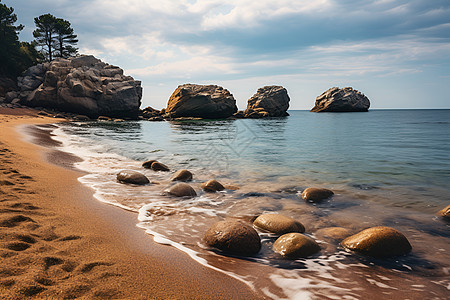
(341, 100)
(202, 101)
(83, 85)
(269, 101)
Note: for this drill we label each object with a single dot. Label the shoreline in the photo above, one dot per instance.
(69, 244)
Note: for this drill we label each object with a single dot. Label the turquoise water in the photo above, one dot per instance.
(387, 167)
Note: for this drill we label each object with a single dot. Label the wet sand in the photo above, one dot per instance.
(57, 242)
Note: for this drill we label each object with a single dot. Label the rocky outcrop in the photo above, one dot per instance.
(83, 85)
(341, 100)
(201, 101)
(269, 101)
(235, 237)
(278, 224)
(316, 194)
(129, 176)
(295, 245)
(6, 85)
(378, 241)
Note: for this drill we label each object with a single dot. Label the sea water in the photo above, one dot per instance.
(386, 167)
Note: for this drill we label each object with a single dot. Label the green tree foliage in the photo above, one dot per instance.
(55, 36)
(15, 57)
(65, 39)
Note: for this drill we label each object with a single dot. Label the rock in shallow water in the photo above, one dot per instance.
(341, 100)
(378, 241)
(157, 166)
(295, 245)
(232, 236)
(129, 176)
(182, 189)
(316, 194)
(334, 233)
(182, 175)
(203, 101)
(278, 224)
(269, 101)
(212, 186)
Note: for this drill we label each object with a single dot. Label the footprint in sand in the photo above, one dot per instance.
(15, 221)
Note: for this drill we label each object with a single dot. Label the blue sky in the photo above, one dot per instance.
(397, 52)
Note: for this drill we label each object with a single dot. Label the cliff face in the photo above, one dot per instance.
(83, 85)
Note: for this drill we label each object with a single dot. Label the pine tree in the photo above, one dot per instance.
(65, 39)
(45, 34)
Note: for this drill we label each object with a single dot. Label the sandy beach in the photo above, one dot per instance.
(57, 242)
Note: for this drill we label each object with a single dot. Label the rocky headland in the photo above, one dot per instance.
(81, 85)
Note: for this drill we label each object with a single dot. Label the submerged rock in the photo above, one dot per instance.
(212, 186)
(278, 224)
(269, 101)
(341, 100)
(295, 245)
(182, 175)
(182, 189)
(445, 213)
(334, 233)
(235, 237)
(201, 101)
(83, 85)
(378, 241)
(316, 194)
(129, 176)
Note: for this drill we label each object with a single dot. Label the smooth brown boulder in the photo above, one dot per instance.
(148, 164)
(157, 166)
(129, 176)
(232, 236)
(182, 189)
(278, 224)
(316, 194)
(378, 241)
(212, 186)
(445, 213)
(182, 175)
(295, 245)
(334, 233)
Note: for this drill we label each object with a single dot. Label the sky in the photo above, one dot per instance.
(396, 52)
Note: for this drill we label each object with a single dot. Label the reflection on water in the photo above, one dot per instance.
(386, 168)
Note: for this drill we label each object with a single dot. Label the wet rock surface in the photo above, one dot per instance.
(236, 237)
(182, 189)
(295, 245)
(378, 241)
(278, 224)
(212, 186)
(129, 176)
(182, 175)
(316, 194)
